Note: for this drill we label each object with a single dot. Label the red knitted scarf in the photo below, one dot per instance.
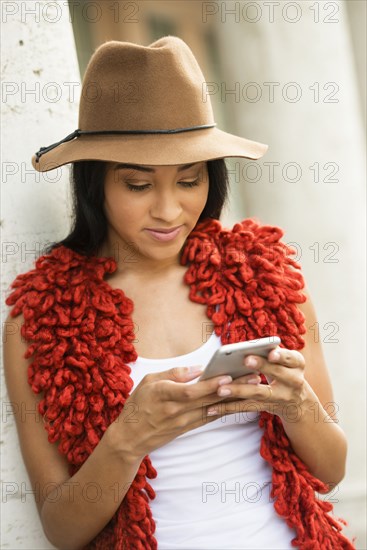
(81, 336)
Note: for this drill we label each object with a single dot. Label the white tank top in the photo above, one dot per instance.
(212, 486)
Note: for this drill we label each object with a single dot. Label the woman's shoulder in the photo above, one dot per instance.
(55, 272)
(249, 241)
(250, 255)
(247, 228)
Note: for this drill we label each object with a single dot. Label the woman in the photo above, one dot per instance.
(147, 284)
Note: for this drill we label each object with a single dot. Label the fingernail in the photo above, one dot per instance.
(224, 391)
(251, 362)
(225, 380)
(255, 380)
(212, 412)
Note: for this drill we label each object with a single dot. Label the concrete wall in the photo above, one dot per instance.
(39, 65)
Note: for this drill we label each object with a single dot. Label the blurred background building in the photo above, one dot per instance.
(289, 74)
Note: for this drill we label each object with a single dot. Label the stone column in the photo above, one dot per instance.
(40, 96)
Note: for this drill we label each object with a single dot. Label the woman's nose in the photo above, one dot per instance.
(166, 206)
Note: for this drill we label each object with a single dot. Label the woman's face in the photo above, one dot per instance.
(142, 197)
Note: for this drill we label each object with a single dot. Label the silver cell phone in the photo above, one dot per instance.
(228, 359)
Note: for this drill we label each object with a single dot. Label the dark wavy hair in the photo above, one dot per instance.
(89, 223)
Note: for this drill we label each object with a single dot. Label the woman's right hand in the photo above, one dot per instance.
(163, 406)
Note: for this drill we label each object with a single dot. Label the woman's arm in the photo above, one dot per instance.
(301, 395)
(315, 436)
(73, 510)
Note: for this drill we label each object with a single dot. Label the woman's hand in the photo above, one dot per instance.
(284, 396)
(162, 407)
(300, 393)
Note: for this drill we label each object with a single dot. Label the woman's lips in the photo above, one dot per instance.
(164, 236)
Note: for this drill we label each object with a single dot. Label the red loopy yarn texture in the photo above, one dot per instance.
(81, 336)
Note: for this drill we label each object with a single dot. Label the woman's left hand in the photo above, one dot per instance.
(284, 395)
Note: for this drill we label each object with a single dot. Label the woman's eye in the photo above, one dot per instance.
(142, 187)
(136, 187)
(190, 183)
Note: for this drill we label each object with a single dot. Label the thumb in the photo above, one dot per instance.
(182, 374)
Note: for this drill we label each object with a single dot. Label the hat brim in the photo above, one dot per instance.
(151, 149)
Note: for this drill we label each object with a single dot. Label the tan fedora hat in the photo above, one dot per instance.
(145, 105)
